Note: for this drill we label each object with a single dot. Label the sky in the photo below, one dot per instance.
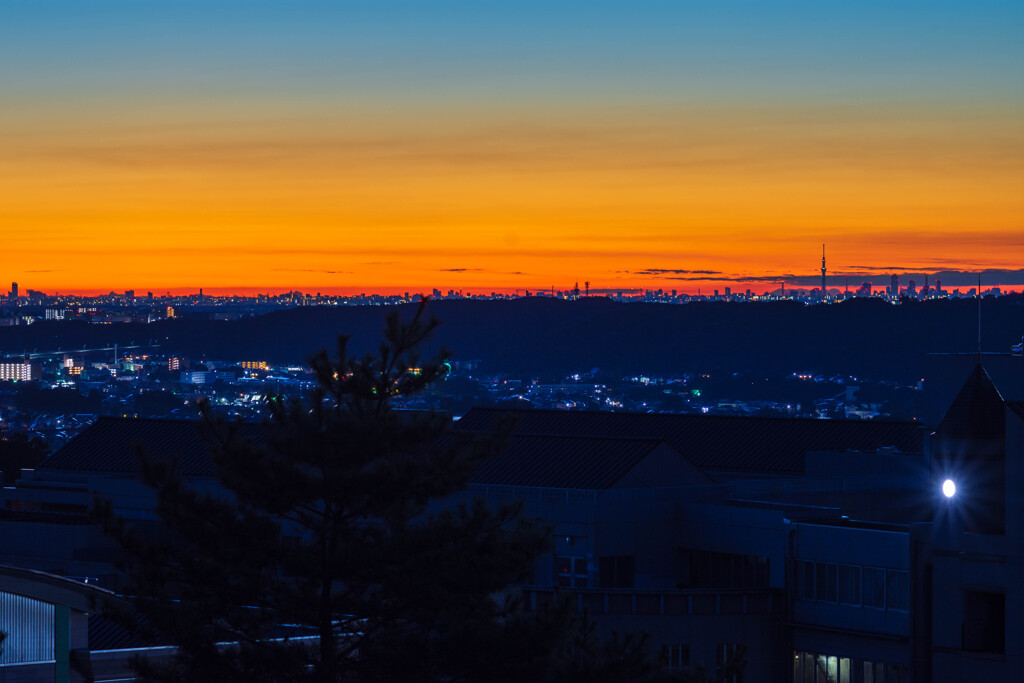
(500, 146)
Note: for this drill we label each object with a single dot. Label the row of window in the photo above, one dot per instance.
(618, 571)
(730, 660)
(699, 569)
(810, 667)
(850, 584)
(705, 569)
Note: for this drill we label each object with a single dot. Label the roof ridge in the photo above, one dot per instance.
(702, 416)
(586, 437)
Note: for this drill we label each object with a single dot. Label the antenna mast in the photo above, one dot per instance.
(979, 317)
(824, 290)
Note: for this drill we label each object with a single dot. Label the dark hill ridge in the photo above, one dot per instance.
(540, 335)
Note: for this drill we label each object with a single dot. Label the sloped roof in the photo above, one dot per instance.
(726, 443)
(56, 590)
(106, 633)
(576, 462)
(977, 412)
(111, 444)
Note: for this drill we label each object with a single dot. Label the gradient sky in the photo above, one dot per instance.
(402, 146)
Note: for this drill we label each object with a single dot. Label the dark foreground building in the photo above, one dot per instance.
(812, 550)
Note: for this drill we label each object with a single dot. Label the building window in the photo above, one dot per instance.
(813, 667)
(849, 584)
(824, 577)
(805, 575)
(819, 581)
(705, 569)
(846, 584)
(897, 590)
(874, 587)
(984, 626)
(571, 572)
(731, 659)
(678, 656)
(617, 572)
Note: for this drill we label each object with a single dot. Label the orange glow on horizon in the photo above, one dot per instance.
(628, 201)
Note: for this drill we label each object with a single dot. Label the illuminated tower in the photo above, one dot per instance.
(824, 291)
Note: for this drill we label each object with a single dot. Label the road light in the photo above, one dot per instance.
(948, 488)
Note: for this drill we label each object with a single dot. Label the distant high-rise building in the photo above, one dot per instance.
(912, 288)
(938, 287)
(15, 372)
(14, 290)
(824, 289)
(894, 287)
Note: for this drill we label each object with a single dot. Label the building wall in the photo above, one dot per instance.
(980, 574)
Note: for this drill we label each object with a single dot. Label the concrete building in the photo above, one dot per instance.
(17, 372)
(812, 550)
(47, 620)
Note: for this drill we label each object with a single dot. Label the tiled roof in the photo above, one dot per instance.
(977, 411)
(106, 633)
(581, 461)
(723, 443)
(575, 462)
(112, 445)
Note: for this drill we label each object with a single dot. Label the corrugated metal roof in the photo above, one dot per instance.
(112, 444)
(575, 462)
(753, 444)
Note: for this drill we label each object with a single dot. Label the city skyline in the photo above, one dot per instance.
(341, 148)
(844, 281)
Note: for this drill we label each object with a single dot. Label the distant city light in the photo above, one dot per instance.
(948, 488)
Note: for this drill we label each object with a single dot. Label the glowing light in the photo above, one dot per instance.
(948, 488)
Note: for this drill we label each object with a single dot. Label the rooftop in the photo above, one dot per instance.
(726, 443)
